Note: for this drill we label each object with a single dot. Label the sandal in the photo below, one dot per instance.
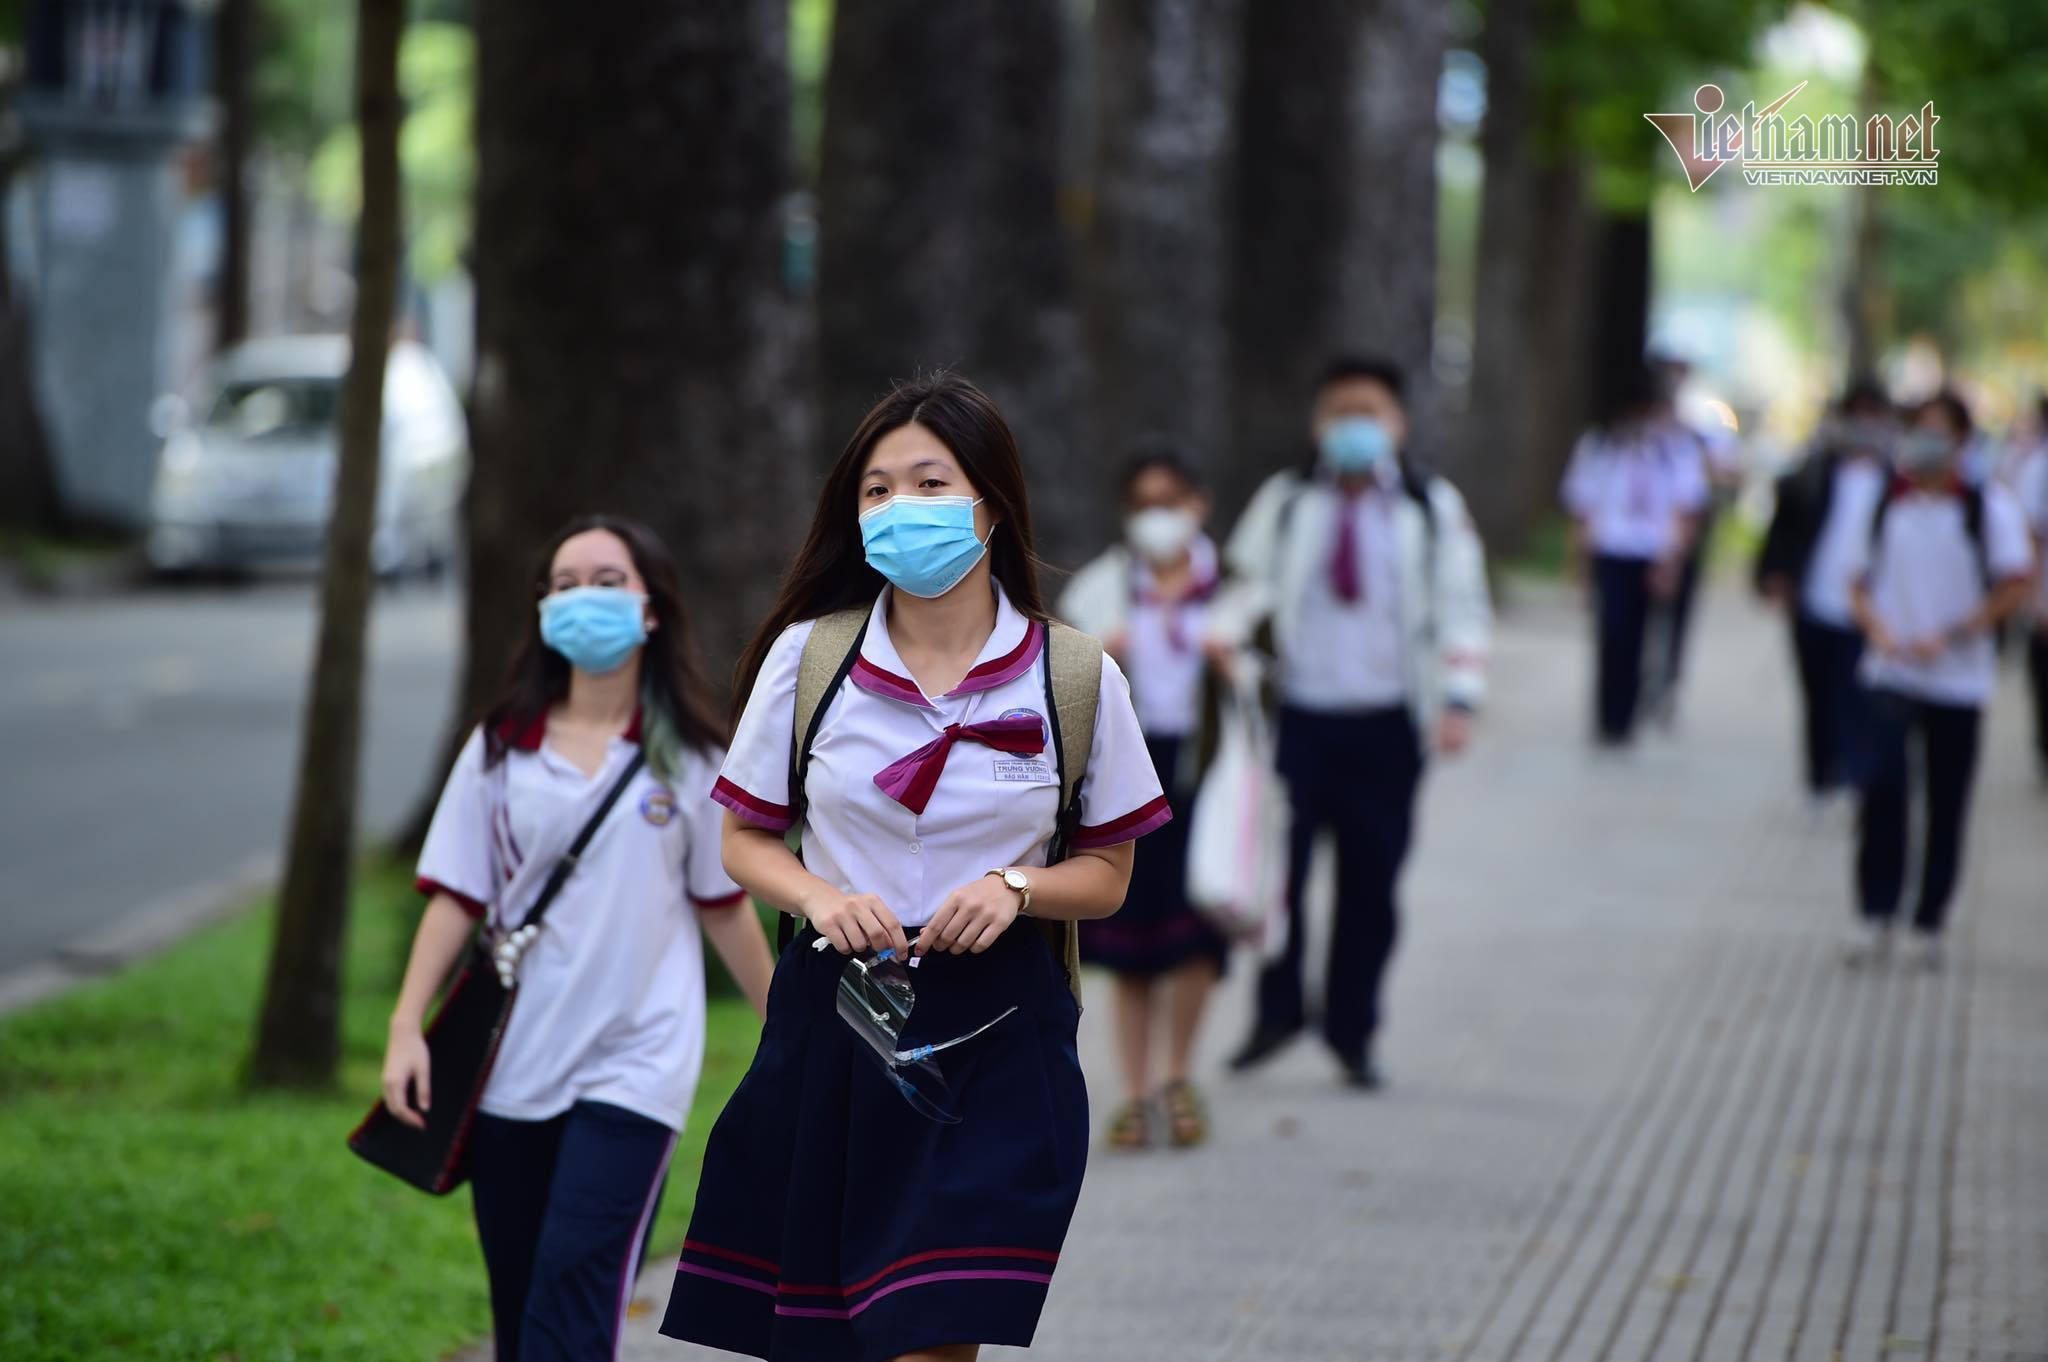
(1187, 1118)
(1131, 1128)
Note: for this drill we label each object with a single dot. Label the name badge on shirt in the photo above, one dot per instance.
(1030, 770)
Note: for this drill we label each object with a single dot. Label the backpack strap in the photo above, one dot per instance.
(821, 670)
(1973, 526)
(828, 656)
(1073, 688)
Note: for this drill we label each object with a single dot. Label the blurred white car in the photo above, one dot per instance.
(246, 476)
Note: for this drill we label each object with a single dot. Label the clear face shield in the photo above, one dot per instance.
(875, 998)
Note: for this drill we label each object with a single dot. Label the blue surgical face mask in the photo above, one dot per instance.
(923, 545)
(1922, 452)
(1355, 444)
(595, 627)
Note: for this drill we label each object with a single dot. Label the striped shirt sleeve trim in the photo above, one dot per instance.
(754, 809)
(1133, 825)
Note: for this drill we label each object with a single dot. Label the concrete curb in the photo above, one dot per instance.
(137, 934)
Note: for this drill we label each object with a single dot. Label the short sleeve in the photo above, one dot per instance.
(460, 857)
(704, 877)
(1121, 797)
(1578, 490)
(1689, 486)
(2030, 485)
(2008, 544)
(754, 781)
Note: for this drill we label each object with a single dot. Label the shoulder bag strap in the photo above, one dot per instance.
(560, 874)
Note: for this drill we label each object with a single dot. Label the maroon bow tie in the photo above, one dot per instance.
(910, 780)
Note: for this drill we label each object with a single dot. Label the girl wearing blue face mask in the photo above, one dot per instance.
(915, 718)
(598, 1063)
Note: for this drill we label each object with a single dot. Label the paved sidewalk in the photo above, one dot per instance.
(1639, 1108)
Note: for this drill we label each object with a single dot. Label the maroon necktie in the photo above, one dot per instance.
(910, 780)
(1347, 576)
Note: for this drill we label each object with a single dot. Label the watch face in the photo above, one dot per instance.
(1015, 879)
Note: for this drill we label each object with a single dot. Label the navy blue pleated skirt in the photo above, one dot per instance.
(1157, 930)
(833, 1221)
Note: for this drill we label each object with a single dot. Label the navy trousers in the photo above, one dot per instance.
(1948, 735)
(1621, 589)
(1828, 658)
(1355, 775)
(562, 1207)
(1677, 613)
(2037, 672)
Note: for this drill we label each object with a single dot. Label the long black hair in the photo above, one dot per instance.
(675, 703)
(831, 571)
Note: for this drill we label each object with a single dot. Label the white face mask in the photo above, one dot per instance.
(1161, 533)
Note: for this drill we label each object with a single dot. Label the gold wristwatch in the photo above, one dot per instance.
(1017, 880)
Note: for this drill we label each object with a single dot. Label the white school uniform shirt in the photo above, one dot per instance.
(1843, 546)
(989, 808)
(1345, 656)
(1444, 613)
(2030, 487)
(1925, 577)
(611, 992)
(1117, 591)
(1632, 491)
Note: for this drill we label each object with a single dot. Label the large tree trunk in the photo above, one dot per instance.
(28, 481)
(1556, 340)
(298, 1040)
(29, 497)
(940, 240)
(1494, 437)
(1289, 209)
(1387, 283)
(1527, 399)
(1863, 283)
(1026, 348)
(636, 352)
(1335, 213)
(234, 47)
(1158, 259)
(1621, 297)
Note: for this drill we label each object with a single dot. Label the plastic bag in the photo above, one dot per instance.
(1237, 833)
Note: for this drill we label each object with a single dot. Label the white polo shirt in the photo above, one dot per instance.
(1345, 656)
(611, 993)
(1842, 548)
(989, 808)
(1926, 577)
(2030, 486)
(1631, 491)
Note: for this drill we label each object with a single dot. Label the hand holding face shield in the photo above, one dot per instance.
(875, 999)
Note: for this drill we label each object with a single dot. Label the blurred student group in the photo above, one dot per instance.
(1268, 706)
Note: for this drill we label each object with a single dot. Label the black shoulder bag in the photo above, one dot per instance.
(462, 1043)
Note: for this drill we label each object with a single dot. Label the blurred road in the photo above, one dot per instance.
(1640, 1111)
(150, 740)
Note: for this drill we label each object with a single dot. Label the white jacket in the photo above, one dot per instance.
(1446, 613)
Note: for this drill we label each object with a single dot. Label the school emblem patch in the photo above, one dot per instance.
(1026, 714)
(1025, 768)
(658, 807)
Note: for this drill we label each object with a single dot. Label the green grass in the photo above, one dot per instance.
(1546, 552)
(151, 1207)
(43, 559)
